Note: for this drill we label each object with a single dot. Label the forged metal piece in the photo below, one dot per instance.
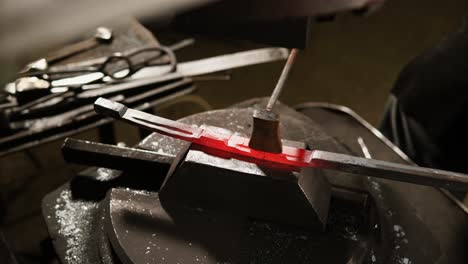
(225, 140)
(409, 209)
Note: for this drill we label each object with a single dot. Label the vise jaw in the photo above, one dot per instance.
(221, 182)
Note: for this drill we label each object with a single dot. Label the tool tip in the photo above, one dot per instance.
(109, 108)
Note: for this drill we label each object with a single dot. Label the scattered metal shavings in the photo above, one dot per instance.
(399, 232)
(140, 192)
(344, 224)
(161, 151)
(400, 236)
(400, 239)
(376, 187)
(404, 261)
(104, 174)
(163, 145)
(270, 242)
(68, 214)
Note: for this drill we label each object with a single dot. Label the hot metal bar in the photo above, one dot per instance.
(228, 141)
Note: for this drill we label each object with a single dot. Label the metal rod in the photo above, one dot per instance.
(283, 77)
(389, 170)
(114, 157)
(290, 156)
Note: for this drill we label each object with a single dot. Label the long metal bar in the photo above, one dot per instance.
(188, 69)
(282, 80)
(389, 170)
(218, 63)
(114, 157)
(379, 135)
(39, 131)
(225, 140)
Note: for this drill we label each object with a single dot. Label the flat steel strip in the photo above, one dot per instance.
(225, 140)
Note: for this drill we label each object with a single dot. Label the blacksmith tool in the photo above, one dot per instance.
(102, 35)
(91, 62)
(64, 121)
(291, 157)
(153, 74)
(117, 66)
(266, 134)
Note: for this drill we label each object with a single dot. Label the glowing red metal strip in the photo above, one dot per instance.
(228, 141)
(214, 137)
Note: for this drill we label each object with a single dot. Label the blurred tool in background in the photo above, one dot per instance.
(53, 23)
